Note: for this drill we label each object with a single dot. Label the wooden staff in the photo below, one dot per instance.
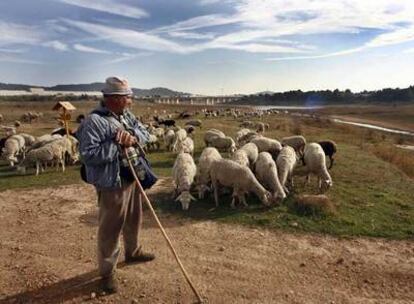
(147, 201)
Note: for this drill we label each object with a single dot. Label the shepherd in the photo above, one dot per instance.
(109, 130)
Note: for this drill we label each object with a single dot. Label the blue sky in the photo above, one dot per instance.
(210, 46)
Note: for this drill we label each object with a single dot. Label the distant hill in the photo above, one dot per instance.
(95, 86)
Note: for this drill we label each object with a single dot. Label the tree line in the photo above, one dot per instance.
(323, 97)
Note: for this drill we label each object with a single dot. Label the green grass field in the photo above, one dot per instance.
(374, 196)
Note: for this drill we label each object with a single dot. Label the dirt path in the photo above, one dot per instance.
(47, 252)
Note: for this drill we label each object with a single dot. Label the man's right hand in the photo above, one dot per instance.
(125, 139)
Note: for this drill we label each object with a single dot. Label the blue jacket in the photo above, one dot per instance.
(98, 149)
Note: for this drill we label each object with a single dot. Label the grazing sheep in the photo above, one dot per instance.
(184, 171)
(180, 135)
(194, 123)
(266, 173)
(207, 157)
(210, 134)
(260, 127)
(314, 157)
(153, 143)
(247, 138)
(190, 130)
(286, 161)
(231, 174)
(159, 132)
(329, 148)
(53, 152)
(13, 147)
(252, 153)
(297, 142)
(240, 157)
(241, 133)
(225, 144)
(28, 139)
(265, 144)
(186, 146)
(169, 138)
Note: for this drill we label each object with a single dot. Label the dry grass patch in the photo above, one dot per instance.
(315, 205)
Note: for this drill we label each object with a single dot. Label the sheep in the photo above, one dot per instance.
(252, 153)
(247, 138)
(246, 124)
(265, 144)
(260, 127)
(329, 148)
(210, 134)
(28, 139)
(190, 130)
(180, 135)
(241, 133)
(314, 157)
(266, 173)
(159, 132)
(240, 157)
(184, 171)
(202, 178)
(194, 123)
(285, 162)
(297, 142)
(186, 146)
(231, 174)
(51, 152)
(223, 144)
(153, 142)
(169, 138)
(1, 118)
(13, 147)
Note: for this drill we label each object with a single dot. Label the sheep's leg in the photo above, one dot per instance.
(308, 178)
(242, 198)
(215, 187)
(332, 162)
(63, 165)
(37, 168)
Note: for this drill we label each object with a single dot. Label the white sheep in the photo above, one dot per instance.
(240, 157)
(252, 153)
(228, 173)
(266, 173)
(225, 144)
(153, 142)
(246, 138)
(210, 134)
(202, 179)
(241, 133)
(169, 138)
(186, 146)
(184, 171)
(297, 142)
(314, 157)
(180, 135)
(13, 147)
(53, 152)
(265, 144)
(286, 161)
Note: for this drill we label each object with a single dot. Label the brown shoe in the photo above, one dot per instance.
(109, 284)
(139, 257)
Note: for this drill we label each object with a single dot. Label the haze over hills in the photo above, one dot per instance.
(92, 87)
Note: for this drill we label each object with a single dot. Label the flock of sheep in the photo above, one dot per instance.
(255, 164)
(26, 150)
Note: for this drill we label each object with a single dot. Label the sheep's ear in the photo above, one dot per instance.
(192, 198)
(178, 198)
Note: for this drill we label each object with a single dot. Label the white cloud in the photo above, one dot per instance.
(110, 7)
(57, 45)
(191, 35)
(408, 51)
(334, 54)
(88, 49)
(14, 59)
(12, 33)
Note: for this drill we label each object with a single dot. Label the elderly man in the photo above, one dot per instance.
(102, 135)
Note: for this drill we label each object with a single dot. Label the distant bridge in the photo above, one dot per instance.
(197, 100)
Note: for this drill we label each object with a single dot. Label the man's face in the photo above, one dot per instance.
(118, 103)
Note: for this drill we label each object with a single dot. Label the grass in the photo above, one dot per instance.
(372, 192)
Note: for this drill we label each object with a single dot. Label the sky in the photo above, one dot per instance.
(210, 47)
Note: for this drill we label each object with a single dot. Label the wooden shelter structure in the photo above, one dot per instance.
(64, 108)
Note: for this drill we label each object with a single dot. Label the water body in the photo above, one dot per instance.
(358, 124)
(374, 127)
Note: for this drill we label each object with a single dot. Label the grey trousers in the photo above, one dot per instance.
(119, 210)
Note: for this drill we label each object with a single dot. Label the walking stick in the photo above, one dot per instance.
(147, 201)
